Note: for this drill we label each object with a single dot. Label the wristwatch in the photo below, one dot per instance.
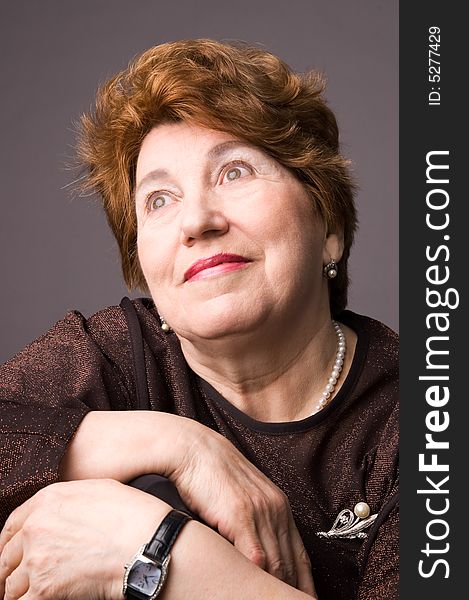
(145, 574)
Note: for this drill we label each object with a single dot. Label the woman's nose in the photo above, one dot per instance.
(202, 217)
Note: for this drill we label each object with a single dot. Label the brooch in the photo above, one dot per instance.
(350, 524)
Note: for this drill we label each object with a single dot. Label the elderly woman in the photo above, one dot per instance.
(243, 382)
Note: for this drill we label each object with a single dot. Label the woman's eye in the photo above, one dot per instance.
(236, 172)
(157, 200)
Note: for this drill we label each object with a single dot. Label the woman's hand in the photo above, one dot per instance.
(72, 540)
(230, 494)
(213, 479)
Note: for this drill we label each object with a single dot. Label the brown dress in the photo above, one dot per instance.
(326, 463)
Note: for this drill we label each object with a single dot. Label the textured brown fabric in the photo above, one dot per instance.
(326, 463)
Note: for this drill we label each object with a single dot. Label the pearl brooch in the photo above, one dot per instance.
(361, 510)
(336, 369)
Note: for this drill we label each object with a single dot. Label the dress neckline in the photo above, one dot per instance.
(349, 318)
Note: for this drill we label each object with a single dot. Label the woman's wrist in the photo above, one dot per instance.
(220, 572)
(122, 445)
(150, 515)
(147, 571)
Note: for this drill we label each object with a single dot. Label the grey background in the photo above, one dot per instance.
(56, 252)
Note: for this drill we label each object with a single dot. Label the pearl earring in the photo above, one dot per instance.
(164, 326)
(331, 269)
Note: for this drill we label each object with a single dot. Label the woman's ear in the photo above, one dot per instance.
(333, 247)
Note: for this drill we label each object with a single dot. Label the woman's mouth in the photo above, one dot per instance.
(215, 265)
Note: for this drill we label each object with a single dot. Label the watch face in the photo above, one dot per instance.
(144, 577)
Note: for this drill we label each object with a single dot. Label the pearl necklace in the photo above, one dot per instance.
(336, 369)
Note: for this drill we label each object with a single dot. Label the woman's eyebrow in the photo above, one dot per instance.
(151, 176)
(225, 147)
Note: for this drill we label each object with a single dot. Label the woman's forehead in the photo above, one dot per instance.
(184, 135)
(169, 144)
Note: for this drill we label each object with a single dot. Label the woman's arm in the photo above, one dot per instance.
(122, 445)
(73, 539)
(45, 392)
(64, 378)
(213, 478)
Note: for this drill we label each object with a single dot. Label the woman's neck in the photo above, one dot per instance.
(275, 376)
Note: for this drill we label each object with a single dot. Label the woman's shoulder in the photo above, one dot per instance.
(121, 329)
(72, 333)
(375, 391)
(365, 323)
(377, 343)
(104, 335)
(114, 323)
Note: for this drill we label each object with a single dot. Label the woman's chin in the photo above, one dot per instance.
(210, 328)
(213, 310)
(219, 320)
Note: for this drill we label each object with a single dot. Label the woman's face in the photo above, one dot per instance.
(227, 237)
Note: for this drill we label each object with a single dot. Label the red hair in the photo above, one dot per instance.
(238, 89)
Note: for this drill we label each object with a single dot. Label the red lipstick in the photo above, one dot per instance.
(232, 262)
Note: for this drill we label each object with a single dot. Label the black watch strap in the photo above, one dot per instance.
(164, 537)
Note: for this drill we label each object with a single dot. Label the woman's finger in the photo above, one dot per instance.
(278, 519)
(10, 560)
(279, 560)
(16, 585)
(16, 520)
(246, 540)
(305, 581)
(263, 534)
(12, 526)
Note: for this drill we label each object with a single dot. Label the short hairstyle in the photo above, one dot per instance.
(234, 88)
